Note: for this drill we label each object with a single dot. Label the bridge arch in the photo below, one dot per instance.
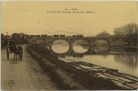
(102, 43)
(81, 46)
(60, 46)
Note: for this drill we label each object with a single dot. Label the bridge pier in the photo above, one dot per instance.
(91, 47)
(70, 48)
(91, 50)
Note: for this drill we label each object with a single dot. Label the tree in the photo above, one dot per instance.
(130, 28)
(129, 33)
(103, 34)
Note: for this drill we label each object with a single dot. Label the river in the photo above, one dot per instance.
(123, 62)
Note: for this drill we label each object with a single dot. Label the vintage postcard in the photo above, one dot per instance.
(69, 45)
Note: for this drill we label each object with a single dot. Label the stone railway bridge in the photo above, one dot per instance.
(48, 41)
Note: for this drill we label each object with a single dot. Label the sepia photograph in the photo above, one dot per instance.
(69, 45)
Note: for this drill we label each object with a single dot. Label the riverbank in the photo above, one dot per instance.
(87, 76)
(63, 79)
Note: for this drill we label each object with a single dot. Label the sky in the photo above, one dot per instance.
(33, 17)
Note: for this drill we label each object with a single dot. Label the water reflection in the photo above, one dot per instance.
(128, 65)
(129, 60)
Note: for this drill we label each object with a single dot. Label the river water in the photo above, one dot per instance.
(125, 63)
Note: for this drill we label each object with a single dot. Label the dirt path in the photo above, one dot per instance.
(23, 75)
